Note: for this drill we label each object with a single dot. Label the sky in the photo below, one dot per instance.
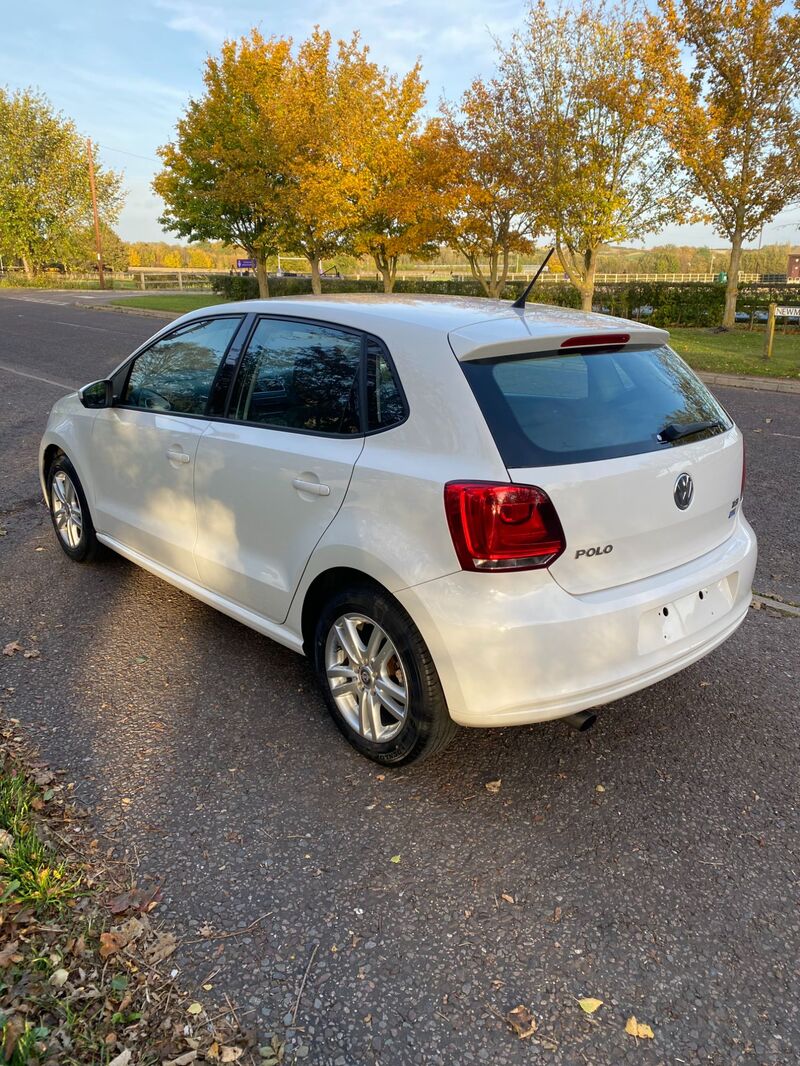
(124, 71)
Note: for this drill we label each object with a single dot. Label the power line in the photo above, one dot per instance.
(134, 155)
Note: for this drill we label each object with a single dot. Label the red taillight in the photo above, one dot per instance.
(502, 527)
(596, 340)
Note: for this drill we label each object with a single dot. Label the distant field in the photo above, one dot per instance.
(179, 303)
(738, 352)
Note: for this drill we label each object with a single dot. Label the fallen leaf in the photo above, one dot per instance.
(557, 914)
(131, 930)
(507, 897)
(231, 1054)
(12, 648)
(640, 1029)
(110, 944)
(162, 949)
(395, 859)
(194, 1008)
(493, 786)
(7, 955)
(6, 840)
(207, 988)
(34, 653)
(589, 1004)
(182, 1060)
(59, 978)
(521, 1021)
(599, 788)
(122, 1059)
(132, 900)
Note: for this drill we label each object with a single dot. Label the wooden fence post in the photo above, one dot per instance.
(770, 332)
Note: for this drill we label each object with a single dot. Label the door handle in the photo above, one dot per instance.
(312, 487)
(176, 456)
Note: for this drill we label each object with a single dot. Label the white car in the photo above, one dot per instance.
(462, 512)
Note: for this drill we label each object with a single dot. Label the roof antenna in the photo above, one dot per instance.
(519, 303)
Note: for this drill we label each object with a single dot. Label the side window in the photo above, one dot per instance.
(385, 404)
(298, 375)
(177, 373)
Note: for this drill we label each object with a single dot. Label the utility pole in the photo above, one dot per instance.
(97, 243)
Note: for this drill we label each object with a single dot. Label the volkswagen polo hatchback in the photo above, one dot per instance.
(460, 511)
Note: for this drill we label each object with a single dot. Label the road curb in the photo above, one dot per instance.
(742, 381)
(165, 316)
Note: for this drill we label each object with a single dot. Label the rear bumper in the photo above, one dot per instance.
(516, 648)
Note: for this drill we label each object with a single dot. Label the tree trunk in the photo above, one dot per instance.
(387, 268)
(261, 274)
(589, 271)
(732, 288)
(26, 266)
(316, 281)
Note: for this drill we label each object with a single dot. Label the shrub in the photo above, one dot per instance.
(657, 303)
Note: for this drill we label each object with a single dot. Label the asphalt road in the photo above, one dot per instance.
(671, 893)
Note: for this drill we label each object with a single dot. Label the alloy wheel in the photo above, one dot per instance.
(366, 677)
(66, 508)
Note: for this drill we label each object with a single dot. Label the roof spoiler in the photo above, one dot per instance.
(521, 336)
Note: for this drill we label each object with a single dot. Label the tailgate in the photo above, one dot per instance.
(622, 521)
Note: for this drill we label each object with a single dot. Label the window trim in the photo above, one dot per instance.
(363, 413)
(126, 367)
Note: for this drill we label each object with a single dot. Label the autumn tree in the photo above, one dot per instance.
(733, 119)
(45, 201)
(400, 210)
(224, 175)
(588, 114)
(334, 95)
(492, 212)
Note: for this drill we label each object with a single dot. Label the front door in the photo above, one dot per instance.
(144, 447)
(271, 478)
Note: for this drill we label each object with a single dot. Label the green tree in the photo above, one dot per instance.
(224, 175)
(733, 118)
(115, 251)
(45, 201)
(589, 117)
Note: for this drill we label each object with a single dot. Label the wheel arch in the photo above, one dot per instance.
(325, 585)
(49, 456)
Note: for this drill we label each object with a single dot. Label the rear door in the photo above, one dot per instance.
(642, 464)
(270, 478)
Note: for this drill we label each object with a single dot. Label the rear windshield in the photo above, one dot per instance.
(575, 407)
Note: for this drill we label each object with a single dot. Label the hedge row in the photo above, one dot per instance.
(659, 303)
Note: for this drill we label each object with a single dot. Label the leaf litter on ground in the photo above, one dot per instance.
(80, 948)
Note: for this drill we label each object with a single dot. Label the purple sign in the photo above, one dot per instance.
(245, 264)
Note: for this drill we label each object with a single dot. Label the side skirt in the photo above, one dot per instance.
(248, 618)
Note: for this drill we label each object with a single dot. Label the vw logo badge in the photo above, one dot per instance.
(684, 491)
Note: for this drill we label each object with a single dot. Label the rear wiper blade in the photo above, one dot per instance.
(674, 431)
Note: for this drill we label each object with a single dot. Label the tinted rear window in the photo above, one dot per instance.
(575, 407)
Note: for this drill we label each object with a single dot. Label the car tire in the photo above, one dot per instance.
(69, 512)
(378, 678)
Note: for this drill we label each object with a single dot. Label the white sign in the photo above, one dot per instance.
(787, 312)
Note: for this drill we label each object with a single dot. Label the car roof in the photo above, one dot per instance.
(472, 322)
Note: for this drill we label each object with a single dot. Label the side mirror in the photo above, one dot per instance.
(97, 394)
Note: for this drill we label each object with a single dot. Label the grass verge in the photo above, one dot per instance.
(81, 952)
(738, 352)
(180, 302)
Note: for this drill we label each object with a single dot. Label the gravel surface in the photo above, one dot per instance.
(652, 863)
